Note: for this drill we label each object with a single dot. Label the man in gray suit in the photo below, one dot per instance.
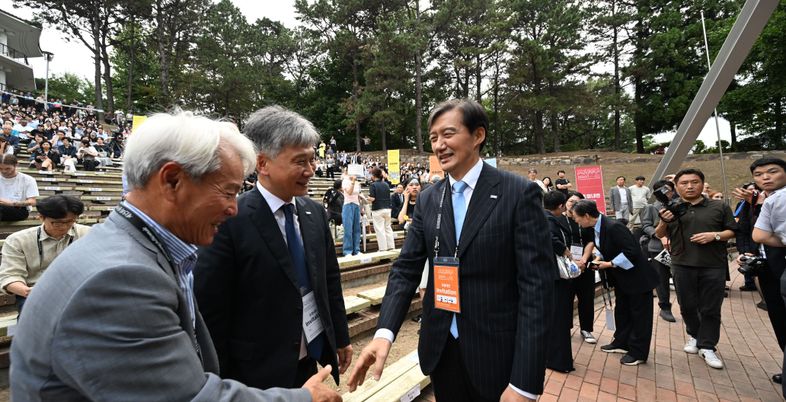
(621, 200)
(114, 317)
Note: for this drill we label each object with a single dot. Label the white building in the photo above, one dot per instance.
(18, 42)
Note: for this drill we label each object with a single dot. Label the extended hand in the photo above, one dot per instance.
(319, 391)
(374, 354)
(510, 395)
(344, 358)
(742, 194)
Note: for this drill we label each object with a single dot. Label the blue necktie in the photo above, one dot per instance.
(298, 255)
(459, 212)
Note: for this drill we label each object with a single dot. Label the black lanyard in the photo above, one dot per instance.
(439, 221)
(140, 225)
(41, 246)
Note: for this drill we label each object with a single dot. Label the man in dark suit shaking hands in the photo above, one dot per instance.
(486, 306)
(633, 279)
(269, 285)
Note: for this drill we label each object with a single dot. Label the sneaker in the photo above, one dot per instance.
(629, 360)
(711, 358)
(667, 315)
(612, 348)
(588, 337)
(690, 347)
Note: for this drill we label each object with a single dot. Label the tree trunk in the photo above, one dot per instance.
(538, 129)
(163, 54)
(497, 131)
(384, 140)
(617, 89)
(418, 87)
(555, 131)
(110, 93)
(355, 89)
(99, 93)
(478, 77)
(778, 134)
(130, 72)
(733, 132)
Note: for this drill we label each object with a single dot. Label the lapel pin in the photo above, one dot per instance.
(493, 196)
(308, 212)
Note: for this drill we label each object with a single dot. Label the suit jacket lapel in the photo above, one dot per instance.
(308, 225)
(480, 205)
(266, 224)
(603, 230)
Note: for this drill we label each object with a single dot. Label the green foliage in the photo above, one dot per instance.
(67, 88)
(554, 75)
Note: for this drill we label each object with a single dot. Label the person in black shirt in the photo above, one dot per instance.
(397, 200)
(562, 184)
(379, 195)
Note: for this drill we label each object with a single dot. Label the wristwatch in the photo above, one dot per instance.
(717, 237)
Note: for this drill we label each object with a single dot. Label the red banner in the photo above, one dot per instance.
(589, 181)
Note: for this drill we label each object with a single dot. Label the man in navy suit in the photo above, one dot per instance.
(487, 302)
(633, 279)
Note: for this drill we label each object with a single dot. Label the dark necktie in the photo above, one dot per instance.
(298, 255)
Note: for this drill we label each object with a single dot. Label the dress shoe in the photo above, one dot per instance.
(746, 288)
(762, 305)
(776, 378)
(667, 315)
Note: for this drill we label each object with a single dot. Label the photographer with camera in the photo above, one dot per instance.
(768, 263)
(664, 190)
(698, 229)
(746, 212)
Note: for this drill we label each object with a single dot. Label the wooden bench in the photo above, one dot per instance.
(369, 258)
(400, 381)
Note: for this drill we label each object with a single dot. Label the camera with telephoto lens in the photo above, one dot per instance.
(751, 264)
(675, 206)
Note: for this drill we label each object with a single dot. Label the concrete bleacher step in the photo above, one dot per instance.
(400, 381)
(367, 258)
(374, 296)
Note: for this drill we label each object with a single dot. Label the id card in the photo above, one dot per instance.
(446, 284)
(576, 251)
(312, 324)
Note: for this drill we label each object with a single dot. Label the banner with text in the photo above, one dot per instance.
(136, 121)
(394, 168)
(589, 181)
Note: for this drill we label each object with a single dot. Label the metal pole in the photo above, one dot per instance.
(46, 80)
(715, 112)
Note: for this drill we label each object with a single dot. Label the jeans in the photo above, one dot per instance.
(350, 217)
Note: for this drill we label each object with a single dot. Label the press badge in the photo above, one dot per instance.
(576, 251)
(312, 324)
(446, 284)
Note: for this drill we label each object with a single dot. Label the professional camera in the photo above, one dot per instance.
(751, 264)
(675, 206)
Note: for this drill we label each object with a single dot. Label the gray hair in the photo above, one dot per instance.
(194, 142)
(274, 128)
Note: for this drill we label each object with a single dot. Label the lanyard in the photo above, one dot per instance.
(41, 247)
(140, 225)
(439, 221)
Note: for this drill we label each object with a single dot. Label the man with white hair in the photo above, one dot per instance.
(114, 317)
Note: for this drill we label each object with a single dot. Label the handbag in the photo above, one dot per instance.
(567, 268)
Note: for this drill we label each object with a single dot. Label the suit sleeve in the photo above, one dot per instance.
(213, 288)
(649, 220)
(335, 295)
(116, 341)
(620, 235)
(557, 243)
(405, 274)
(536, 273)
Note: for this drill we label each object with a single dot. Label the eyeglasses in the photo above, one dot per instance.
(63, 224)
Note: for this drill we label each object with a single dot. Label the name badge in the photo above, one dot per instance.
(312, 324)
(576, 251)
(446, 284)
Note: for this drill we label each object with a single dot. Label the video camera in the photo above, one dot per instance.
(675, 206)
(751, 264)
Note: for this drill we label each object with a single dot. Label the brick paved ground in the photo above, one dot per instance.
(747, 346)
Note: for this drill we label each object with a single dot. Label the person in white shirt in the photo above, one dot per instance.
(532, 175)
(640, 195)
(17, 191)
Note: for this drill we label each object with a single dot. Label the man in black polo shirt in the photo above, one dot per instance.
(697, 241)
(562, 184)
